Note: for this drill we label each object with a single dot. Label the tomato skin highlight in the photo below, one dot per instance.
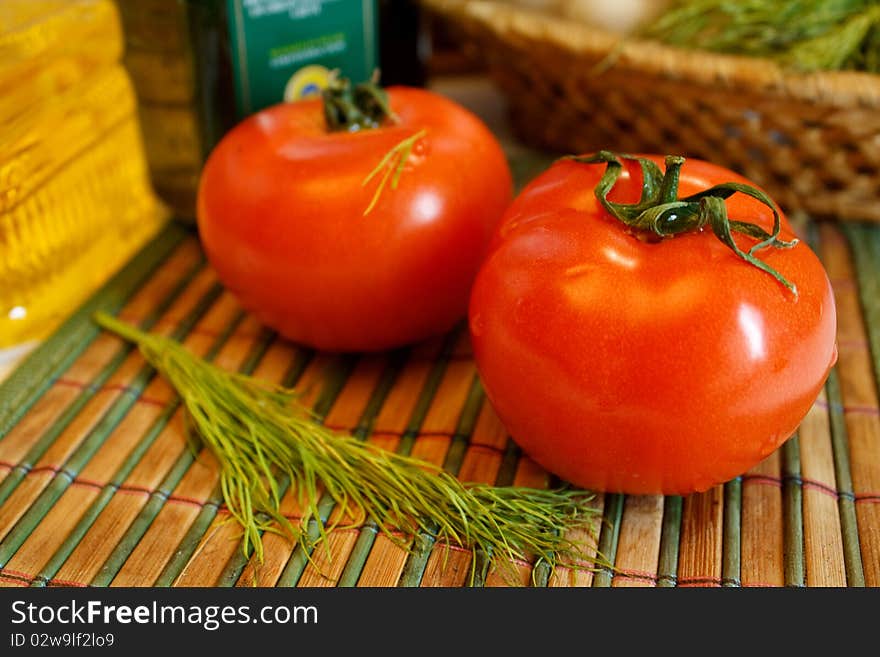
(281, 216)
(623, 365)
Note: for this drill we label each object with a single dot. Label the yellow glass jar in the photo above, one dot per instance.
(75, 196)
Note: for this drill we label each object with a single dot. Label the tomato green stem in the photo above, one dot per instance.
(355, 107)
(661, 214)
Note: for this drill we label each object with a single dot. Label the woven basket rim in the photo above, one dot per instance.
(603, 51)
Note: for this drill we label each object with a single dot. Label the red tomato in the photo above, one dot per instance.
(645, 366)
(282, 214)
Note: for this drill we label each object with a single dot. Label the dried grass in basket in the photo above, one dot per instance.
(811, 140)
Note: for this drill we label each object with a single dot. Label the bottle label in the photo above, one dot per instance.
(285, 49)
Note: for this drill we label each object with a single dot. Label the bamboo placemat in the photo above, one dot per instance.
(99, 487)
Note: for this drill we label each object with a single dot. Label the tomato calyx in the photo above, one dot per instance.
(660, 214)
(350, 108)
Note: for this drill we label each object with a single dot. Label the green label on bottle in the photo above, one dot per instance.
(285, 49)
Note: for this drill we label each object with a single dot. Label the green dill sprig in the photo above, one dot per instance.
(805, 35)
(262, 438)
(391, 166)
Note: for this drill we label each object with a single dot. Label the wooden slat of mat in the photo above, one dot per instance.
(638, 547)
(701, 539)
(62, 462)
(431, 444)
(324, 564)
(115, 512)
(762, 535)
(823, 539)
(448, 566)
(441, 422)
(792, 513)
(186, 260)
(177, 530)
(565, 575)
(162, 540)
(530, 473)
(527, 473)
(377, 559)
(278, 352)
(350, 411)
(109, 528)
(327, 560)
(277, 550)
(865, 244)
(309, 549)
(612, 517)
(859, 396)
(825, 551)
(88, 514)
(670, 538)
(846, 502)
(731, 549)
(446, 562)
(489, 436)
(255, 343)
(66, 395)
(481, 463)
(20, 449)
(56, 353)
(222, 540)
(452, 565)
(400, 419)
(107, 459)
(156, 461)
(119, 388)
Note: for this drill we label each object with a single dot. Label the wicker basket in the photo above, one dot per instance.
(811, 140)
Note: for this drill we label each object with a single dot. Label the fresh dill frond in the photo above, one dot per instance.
(262, 438)
(805, 35)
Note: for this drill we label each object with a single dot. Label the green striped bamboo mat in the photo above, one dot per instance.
(98, 486)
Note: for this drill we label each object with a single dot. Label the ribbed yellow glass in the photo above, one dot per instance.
(75, 197)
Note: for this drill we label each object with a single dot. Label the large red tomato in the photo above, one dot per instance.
(331, 257)
(622, 361)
